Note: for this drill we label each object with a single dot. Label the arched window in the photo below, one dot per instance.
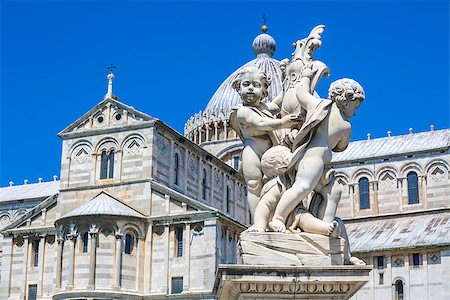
(176, 168)
(364, 195)
(85, 239)
(129, 243)
(413, 188)
(204, 183)
(107, 165)
(399, 290)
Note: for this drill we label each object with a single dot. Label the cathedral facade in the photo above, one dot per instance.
(144, 212)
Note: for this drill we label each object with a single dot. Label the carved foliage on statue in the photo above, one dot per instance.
(302, 56)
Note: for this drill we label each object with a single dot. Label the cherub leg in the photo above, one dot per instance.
(253, 177)
(265, 206)
(308, 174)
(331, 194)
(309, 223)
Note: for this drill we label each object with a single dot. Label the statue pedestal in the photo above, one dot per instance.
(251, 282)
(289, 266)
(300, 249)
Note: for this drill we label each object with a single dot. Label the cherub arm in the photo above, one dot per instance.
(247, 117)
(275, 105)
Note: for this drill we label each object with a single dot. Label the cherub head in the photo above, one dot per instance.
(348, 95)
(252, 85)
(275, 160)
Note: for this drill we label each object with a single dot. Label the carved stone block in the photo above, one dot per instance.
(300, 249)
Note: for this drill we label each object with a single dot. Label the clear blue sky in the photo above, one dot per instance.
(171, 56)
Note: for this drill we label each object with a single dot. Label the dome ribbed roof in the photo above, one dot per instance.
(225, 98)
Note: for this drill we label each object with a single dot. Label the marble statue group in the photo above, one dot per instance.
(289, 143)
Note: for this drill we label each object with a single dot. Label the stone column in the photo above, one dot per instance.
(226, 252)
(7, 261)
(41, 265)
(225, 130)
(26, 260)
(71, 238)
(423, 190)
(59, 248)
(118, 261)
(187, 256)
(167, 233)
(139, 263)
(216, 133)
(207, 132)
(148, 260)
(93, 233)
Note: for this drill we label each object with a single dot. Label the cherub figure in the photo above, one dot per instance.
(331, 134)
(274, 163)
(255, 124)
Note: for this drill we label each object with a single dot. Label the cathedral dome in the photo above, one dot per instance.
(225, 97)
(209, 128)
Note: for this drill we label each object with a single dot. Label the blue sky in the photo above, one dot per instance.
(171, 56)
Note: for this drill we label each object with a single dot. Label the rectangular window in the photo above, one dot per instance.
(32, 292)
(416, 259)
(380, 262)
(381, 279)
(236, 162)
(179, 236)
(85, 242)
(177, 285)
(104, 166)
(35, 246)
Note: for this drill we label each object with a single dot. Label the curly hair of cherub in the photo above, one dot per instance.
(265, 80)
(344, 90)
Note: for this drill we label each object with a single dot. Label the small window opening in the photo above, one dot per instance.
(85, 239)
(179, 241)
(364, 195)
(380, 262)
(399, 290)
(35, 245)
(176, 168)
(204, 182)
(107, 165)
(177, 285)
(129, 242)
(413, 188)
(416, 259)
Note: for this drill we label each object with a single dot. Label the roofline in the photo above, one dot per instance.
(194, 203)
(103, 192)
(431, 211)
(419, 247)
(400, 154)
(32, 212)
(64, 133)
(182, 139)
